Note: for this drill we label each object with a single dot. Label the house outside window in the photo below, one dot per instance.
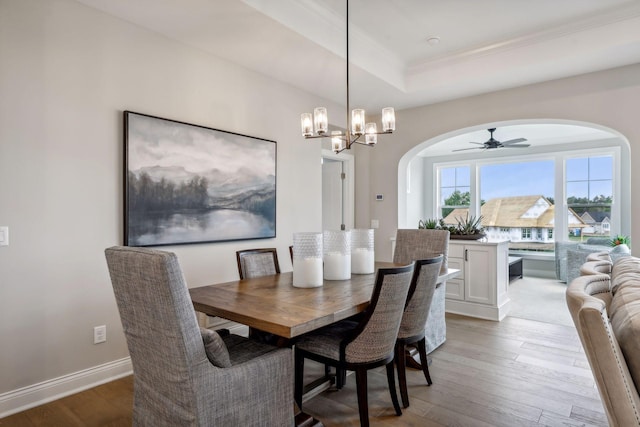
(550, 233)
(526, 233)
(589, 191)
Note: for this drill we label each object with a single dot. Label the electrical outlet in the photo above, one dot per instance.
(99, 334)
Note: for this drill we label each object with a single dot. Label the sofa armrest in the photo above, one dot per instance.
(587, 299)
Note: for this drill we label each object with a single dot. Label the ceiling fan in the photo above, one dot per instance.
(493, 143)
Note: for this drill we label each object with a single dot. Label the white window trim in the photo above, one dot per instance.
(559, 158)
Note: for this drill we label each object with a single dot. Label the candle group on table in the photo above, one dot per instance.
(331, 255)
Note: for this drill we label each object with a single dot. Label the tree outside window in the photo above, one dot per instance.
(454, 189)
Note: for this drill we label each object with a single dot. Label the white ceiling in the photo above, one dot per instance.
(484, 45)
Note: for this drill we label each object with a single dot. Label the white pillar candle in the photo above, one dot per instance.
(307, 272)
(362, 261)
(337, 266)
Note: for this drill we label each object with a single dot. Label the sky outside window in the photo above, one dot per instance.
(517, 179)
(590, 177)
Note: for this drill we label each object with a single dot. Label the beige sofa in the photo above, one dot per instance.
(605, 306)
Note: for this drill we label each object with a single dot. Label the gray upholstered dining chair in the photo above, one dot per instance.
(415, 244)
(185, 375)
(362, 345)
(257, 262)
(414, 319)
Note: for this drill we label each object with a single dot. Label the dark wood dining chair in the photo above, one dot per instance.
(415, 318)
(363, 345)
(257, 262)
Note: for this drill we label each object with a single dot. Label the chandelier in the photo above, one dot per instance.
(356, 124)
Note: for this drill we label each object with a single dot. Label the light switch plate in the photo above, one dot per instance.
(4, 236)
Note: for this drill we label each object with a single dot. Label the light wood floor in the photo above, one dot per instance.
(512, 373)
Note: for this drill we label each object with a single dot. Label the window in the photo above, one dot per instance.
(454, 189)
(589, 189)
(517, 195)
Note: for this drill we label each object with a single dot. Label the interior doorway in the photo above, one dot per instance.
(338, 211)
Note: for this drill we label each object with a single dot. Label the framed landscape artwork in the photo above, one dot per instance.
(191, 184)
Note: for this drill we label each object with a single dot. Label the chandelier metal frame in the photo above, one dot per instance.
(356, 124)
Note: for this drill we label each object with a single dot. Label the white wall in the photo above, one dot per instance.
(66, 74)
(608, 98)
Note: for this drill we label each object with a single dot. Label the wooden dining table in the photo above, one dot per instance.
(272, 304)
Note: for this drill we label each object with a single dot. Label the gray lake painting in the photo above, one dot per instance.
(189, 184)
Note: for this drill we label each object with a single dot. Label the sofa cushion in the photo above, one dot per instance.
(215, 348)
(625, 272)
(624, 314)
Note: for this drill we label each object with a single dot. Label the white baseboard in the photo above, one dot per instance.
(480, 311)
(37, 394)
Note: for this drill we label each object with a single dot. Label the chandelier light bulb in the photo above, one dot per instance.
(357, 122)
(336, 140)
(371, 133)
(388, 119)
(320, 120)
(307, 124)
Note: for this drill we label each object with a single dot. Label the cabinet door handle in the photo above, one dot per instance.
(466, 254)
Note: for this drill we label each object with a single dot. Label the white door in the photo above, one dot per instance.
(332, 195)
(337, 191)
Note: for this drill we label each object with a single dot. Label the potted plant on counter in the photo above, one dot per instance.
(468, 228)
(620, 240)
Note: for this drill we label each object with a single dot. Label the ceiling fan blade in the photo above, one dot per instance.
(517, 146)
(513, 141)
(465, 149)
(478, 143)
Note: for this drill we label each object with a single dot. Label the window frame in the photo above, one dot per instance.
(559, 158)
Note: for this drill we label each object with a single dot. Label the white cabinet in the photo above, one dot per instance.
(481, 289)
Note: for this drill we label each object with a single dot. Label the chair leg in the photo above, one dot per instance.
(392, 388)
(422, 349)
(341, 378)
(298, 376)
(363, 401)
(401, 363)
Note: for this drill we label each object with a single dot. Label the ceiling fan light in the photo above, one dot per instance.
(320, 120)
(307, 124)
(388, 119)
(357, 122)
